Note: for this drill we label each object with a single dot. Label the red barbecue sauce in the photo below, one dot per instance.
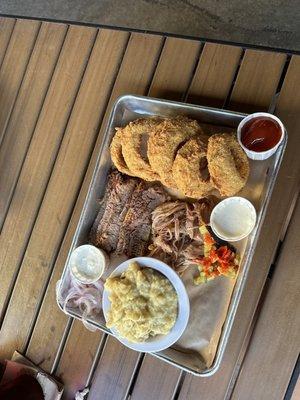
(260, 134)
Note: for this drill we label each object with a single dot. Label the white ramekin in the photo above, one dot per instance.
(260, 155)
(77, 263)
(225, 210)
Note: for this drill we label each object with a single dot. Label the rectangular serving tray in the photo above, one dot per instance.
(258, 190)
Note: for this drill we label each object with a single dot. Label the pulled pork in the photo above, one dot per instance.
(176, 239)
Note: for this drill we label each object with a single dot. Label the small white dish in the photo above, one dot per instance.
(159, 342)
(233, 219)
(260, 155)
(87, 263)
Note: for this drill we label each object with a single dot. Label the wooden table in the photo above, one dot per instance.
(58, 84)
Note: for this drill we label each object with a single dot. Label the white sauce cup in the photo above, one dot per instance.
(87, 263)
(260, 155)
(233, 219)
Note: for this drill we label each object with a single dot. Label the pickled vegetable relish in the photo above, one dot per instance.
(216, 261)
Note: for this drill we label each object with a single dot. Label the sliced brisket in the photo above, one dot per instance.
(113, 209)
(123, 223)
(136, 228)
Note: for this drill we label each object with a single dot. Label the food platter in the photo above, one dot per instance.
(201, 350)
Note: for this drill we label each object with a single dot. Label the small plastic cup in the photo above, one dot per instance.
(260, 155)
(87, 264)
(233, 219)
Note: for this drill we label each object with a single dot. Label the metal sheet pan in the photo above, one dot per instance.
(258, 190)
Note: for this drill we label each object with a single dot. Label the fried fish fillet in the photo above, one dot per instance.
(134, 136)
(164, 143)
(228, 164)
(117, 155)
(190, 168)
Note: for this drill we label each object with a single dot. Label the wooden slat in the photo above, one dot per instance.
(214, 74)
(81, 352)
(51, 322)
(135, 72)
(14, 65)
(296, 391)
(171, 78)
(68, 172)
(261, 66)
(6, 29)
(275, 344)
(114, 371)
(39, 162)
(215, 387)
(156, 380)
(27, 107)
(274, 360)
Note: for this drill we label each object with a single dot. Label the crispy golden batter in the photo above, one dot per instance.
(190, 168)
(134, 135)
(227, 164)
(116, 153)
(164, 143)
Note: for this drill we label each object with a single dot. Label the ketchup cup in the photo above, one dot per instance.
(260, 155)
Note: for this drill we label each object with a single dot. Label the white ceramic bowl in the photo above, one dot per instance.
(260, 155)
(87, 264)
(159, 342)
(233, 218)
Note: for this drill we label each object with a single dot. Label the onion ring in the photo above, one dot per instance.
(116, 153)
(189, 168)
(134, 135)
(228, 164)
(164, 144)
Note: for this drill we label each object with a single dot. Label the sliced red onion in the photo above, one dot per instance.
(86, 298)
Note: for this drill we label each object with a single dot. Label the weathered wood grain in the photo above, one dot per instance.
(38, 165)
(257, 66)
(214, 74)
(174, 70)
(6, 29)
(114, 371)
(63, 186)
(80, 353)
(27, 108)
(14, 64)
